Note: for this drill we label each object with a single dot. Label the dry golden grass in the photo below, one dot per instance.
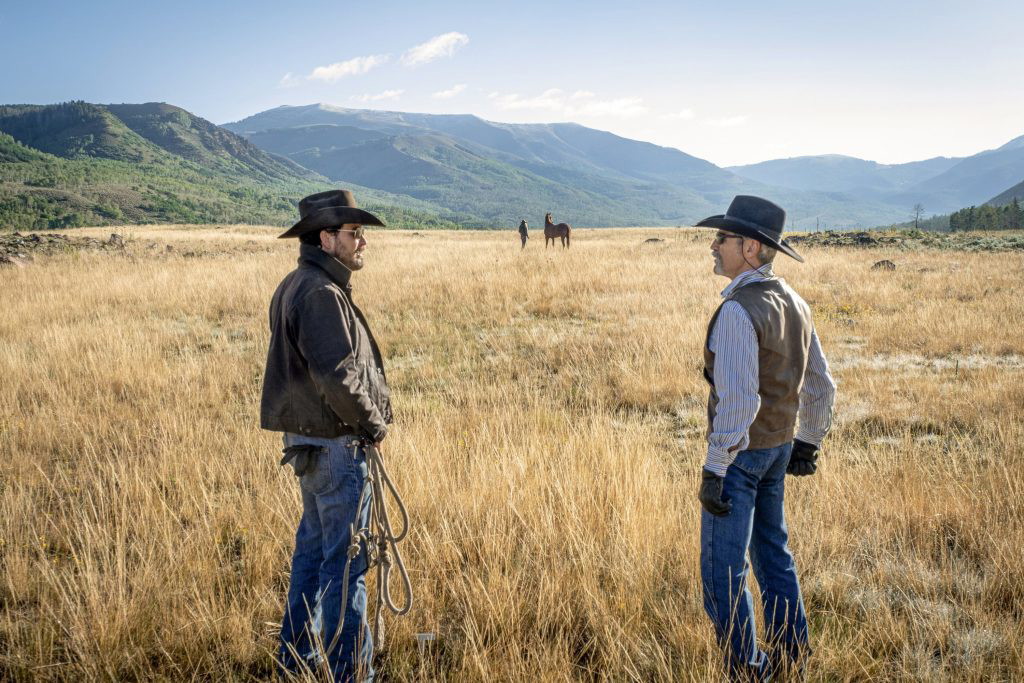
(549, 437)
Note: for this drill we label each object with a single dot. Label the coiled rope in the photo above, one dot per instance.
(381, 545)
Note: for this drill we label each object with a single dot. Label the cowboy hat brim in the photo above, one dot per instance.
(751, 230)
(331, 217)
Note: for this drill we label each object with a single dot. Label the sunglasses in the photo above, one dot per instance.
(721, 237)
(357, 233)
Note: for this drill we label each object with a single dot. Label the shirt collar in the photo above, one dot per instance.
(335, 269)
(753, 275)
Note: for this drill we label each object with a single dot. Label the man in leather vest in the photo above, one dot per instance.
(325, 388)
(766, 370)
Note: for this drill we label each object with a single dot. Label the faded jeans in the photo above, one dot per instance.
(755, 483)
(330, 494)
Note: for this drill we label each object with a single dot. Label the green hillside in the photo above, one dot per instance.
(76, 130)
(80, 164)
(1007, 197)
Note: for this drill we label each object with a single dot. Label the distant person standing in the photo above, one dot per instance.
(524, 232)
(766, 368)
(325, 388)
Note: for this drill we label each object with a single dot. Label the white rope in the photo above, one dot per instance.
(381, 546)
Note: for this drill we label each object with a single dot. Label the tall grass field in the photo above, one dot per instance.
(548, 441)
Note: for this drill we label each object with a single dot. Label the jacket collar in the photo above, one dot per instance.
(334, 268)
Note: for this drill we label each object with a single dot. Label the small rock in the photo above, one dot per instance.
(116, 241)
(168, 248)
(884, 264)
(653, 240)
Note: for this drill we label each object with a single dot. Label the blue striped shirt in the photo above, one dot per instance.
(734, 343)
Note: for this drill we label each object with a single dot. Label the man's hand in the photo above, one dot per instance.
(803, 460)
(711, 494)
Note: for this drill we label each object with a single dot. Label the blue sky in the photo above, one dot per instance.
(732, 83)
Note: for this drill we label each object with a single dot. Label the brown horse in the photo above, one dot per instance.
(551, 231)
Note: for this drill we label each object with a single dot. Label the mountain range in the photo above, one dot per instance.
(85, 164)
(941, 185)
(79, 163)
(500, 172)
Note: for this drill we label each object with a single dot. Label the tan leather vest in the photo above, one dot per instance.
(782, 321)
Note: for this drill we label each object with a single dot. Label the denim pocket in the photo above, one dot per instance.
(755, 461)
(318, 477)
(345, 466)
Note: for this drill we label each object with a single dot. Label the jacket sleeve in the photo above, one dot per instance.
(325, 341)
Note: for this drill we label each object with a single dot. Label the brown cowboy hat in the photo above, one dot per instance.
(755, 218)
(329, 209)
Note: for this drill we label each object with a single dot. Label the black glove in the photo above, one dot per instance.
(711, 494)
(803, 460)
(301, 457)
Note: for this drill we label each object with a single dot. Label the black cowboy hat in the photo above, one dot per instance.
(329, 209)
(755, 218)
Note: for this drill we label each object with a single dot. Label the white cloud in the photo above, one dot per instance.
(580, 103)
(443, 45)
(351, 67)
(450, 92)
(289, 81)
(386, 95)
(729, 122)
(681, 115)
(623, 107)
(552, 99)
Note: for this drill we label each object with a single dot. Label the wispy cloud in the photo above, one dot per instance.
(350, 67)
(681, 115)
(580, 103)
(450, 92)
(443, 45)
(378, 97)
(289, 81)
(728, 122)
(623, 107)
(552, 99)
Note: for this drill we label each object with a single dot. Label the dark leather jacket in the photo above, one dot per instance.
(325, 376)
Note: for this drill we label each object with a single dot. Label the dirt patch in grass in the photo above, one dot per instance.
(912, 362)
(914, 240)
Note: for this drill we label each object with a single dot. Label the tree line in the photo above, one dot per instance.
(987, 217)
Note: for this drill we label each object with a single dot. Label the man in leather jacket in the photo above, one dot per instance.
(325, 388)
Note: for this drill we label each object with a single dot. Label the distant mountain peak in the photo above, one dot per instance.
(1016, 143)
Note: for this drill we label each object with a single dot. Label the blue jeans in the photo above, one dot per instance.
(755, 483)
(330, 495)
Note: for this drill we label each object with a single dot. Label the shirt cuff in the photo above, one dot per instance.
(810, 437)
(718, 460)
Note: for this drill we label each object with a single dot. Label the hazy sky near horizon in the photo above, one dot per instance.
(737, 83)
